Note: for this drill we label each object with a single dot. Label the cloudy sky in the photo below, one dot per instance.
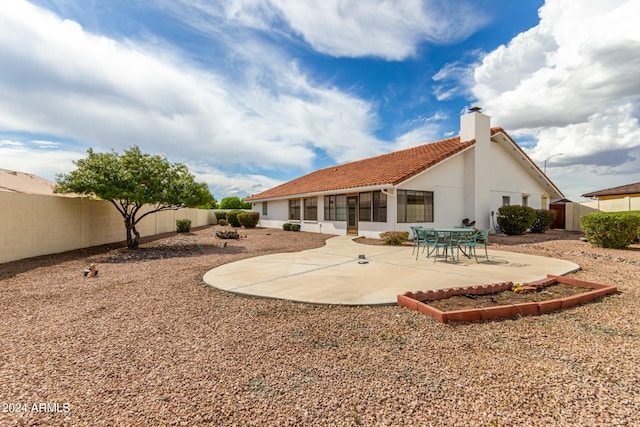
(251, 93)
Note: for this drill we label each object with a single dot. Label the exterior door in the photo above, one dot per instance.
(352, 215)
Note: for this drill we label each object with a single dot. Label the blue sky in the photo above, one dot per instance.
(252, 93)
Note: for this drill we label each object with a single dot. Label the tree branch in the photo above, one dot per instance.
(158, 209)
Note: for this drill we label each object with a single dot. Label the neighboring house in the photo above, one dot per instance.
(434, 185)
(20, 182)
(622, 198)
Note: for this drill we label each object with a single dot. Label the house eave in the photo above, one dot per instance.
(349, 190)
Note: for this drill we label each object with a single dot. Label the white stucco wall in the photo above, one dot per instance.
(509, 178)
(446, 180)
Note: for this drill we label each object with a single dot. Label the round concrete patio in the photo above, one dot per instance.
(334, 273)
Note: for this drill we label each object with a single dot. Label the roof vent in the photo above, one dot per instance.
(475, 109)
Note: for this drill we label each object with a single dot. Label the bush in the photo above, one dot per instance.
(286, 226)
(611, 229)
(394, 238)
(542, 222)
(222, 222)
(249, 219)
(515, 220)
(232, 218)
(295, 227)
(183, 225)
(291, 227)
(220, 215)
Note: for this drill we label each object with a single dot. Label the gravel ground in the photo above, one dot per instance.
(146, 342)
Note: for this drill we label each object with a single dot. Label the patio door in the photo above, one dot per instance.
(352, 214)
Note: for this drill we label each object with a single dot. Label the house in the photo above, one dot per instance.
(622, 198)
(434, 185)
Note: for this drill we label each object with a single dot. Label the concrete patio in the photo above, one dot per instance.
(334, 273)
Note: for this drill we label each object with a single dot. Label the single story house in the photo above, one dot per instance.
(622, 198)
(434, 185)
(629, 190)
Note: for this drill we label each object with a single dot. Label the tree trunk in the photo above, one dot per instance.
(133, 236)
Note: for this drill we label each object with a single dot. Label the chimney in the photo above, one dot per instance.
(477, 204)
(475, 125)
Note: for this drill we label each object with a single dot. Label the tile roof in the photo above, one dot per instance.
(616, 191)
(392, 168)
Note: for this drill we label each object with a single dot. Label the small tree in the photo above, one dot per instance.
(234, 202)
(132, 180)
(231, 202)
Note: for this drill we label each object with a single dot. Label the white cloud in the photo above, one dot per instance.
(224, 184)
(345, 28)
(58, 79)
(420, 135)
(33, 158)
(391, 30)
(571, 84)
(582, 57)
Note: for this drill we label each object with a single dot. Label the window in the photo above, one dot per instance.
(373, 206)
(379, 206)
(265, 209)
(415, 206)
(294, 209)
(311, 209)
(364, 213)
(335, 207)
(329, 208)
(341, 207)
(525, 200)
(506, 200)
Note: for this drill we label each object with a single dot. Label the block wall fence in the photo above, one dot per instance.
(33, 225)
(573, 211)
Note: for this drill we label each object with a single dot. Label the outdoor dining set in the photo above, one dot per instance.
(452, 241)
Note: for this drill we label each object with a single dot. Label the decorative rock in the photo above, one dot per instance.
(227, 234)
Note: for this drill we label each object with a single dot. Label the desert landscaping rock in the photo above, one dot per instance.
(145, 342)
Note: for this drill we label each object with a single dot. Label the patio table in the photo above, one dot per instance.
(448, 234)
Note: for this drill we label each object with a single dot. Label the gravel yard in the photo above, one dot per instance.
(146, 342)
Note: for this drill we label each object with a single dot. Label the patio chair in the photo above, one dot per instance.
(417, 240)
(438, 240)
(481, 238)
(462, 240)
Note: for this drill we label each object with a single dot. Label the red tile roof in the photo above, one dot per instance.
(392, 168)
(616, 191)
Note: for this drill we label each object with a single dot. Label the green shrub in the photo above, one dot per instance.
(543, 220)
(515, 220)
(286, 226)
(394, 238)
(183, 225)
(249, 219)
(222, 222)
(232, 218)
(611, 229)
(220, 215)
(295, 227)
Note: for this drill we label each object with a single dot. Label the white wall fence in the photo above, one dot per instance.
(573, 211)
(33, 225)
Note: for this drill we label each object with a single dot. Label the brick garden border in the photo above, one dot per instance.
(412, 300)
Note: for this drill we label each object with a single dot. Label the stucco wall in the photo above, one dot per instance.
(447, 183)
(32, 225)
(510, 179)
